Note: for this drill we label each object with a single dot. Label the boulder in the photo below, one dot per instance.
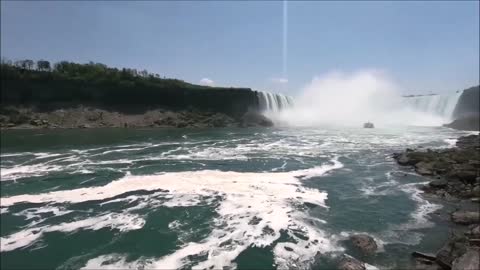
(475, 231)
(350, 263)
(425, 264)
(440, 183)
(181, 125)
(468, 261)
(424, 168)
(84, 126)
(403, 159)
(36, 122)
(466, 217)
(364, 242)
(455, 247)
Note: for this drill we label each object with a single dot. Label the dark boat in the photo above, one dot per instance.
(368, 125)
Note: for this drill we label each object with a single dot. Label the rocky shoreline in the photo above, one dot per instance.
(455, 174)
(88, 117)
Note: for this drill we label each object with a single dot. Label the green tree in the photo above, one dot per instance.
(43, 65)
(28, 64)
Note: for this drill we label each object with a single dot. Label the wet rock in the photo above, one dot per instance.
(350, 263)
(468, 261)
(36, 122)
(425, 264)
(422, 255)
(364, 242)
(438, 183)
(466, 217)
(453, 248)
(464, 172)
(424, 168)
(181, 125)
(475, 231)
(403, 159)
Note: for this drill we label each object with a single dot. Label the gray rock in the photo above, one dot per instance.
(350, 263)
(83, 126)
(453, 248)
(425, 264)
(438, 183)
(364, 242)
(468, 261)
(36, 122)
(476, 191)
(424, 168)
(403, 159)
(475, 231)
(466, 217)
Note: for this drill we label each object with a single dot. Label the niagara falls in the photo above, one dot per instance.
(314, 135)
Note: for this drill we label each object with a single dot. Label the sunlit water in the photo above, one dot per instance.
(235, 198)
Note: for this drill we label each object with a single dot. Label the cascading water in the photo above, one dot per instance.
(438, 105)
(272, 102)
(346, 99)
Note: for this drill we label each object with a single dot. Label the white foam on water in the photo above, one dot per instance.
(32, 213)
(451, 142)
(110, 261)
(424, 207)
(4, 155)
(22, 171)
(402, 233)
(254, 208)
(25, 238)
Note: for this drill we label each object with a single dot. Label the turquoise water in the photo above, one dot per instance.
(213, 198)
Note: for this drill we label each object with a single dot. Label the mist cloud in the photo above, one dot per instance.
(339, 98)
(207, 81)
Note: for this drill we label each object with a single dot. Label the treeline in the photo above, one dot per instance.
(40, 83)
(90, 70)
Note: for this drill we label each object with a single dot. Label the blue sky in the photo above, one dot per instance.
(422, 46)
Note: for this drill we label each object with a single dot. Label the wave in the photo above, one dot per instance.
(255, 208)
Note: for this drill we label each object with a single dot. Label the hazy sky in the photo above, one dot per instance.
(422, 46)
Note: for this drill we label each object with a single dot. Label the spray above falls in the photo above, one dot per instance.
(351, 99)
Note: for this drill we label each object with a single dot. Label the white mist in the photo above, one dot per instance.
(339, 98)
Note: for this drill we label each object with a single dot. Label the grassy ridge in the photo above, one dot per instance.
(72, 84)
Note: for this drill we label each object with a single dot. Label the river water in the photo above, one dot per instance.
(214, 198)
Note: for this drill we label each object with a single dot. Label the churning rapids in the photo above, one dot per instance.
(234, 198)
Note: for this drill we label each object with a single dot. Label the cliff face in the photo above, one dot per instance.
(468, 103)
(49, 90)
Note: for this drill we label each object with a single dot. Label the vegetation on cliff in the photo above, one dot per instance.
(67, 84)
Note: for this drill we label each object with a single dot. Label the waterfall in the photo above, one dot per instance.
(437, 105)
(273, 102)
